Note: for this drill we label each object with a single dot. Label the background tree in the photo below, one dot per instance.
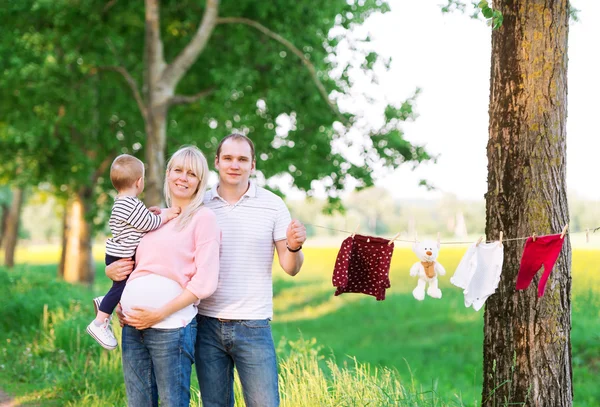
(270, 70)
(60, 125)
(527, 346)
(12, 226)
(5, 198)
(242, 71)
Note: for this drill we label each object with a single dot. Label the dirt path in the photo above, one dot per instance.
(5, 400)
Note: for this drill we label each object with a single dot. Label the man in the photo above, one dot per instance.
(233, 324)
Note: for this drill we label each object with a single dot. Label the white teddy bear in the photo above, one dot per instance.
(427, 269)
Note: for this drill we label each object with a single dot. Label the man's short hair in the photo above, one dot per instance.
(237, 137)
(125, 171)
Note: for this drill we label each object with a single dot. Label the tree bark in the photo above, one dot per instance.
(11, 231)
(160, 82)
(77, 264)
(156, 145)
(527, 346)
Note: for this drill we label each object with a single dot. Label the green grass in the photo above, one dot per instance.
(349, 350)
(436, 343)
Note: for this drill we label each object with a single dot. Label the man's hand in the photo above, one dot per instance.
(120, 315)
(119, 270)
(295, 234)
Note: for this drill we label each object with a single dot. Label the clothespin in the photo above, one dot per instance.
(393, 238)
(355, 229)
(500, 238)
(534, 237)
(479, 240)
(564, 231)
(587, 235)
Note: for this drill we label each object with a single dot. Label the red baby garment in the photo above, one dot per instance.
(544, 251)
(363, 266)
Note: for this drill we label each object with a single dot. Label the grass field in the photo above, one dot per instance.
(436, 343)
(334, 350)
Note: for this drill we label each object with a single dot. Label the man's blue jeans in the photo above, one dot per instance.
(157, 364)
(248, 345)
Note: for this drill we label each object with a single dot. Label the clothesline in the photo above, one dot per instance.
(363, 265)
(395, 239)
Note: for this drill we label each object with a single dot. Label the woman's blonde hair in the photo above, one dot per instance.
(188, 157)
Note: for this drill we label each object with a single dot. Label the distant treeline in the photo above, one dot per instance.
(374, 209)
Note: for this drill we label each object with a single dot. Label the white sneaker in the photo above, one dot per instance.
(97, 302)
(103, 334)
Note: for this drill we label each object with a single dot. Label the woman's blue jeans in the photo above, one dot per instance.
(248, 345)
(157, 364)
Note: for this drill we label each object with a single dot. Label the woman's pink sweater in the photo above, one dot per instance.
(189, 256)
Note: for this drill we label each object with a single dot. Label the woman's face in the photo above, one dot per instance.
(183, 182)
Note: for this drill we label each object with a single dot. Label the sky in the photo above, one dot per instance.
(448, 57)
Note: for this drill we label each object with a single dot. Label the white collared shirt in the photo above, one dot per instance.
(250, 228)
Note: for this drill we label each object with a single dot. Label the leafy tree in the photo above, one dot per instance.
(273, 70)
(59, 128)
(247, 73)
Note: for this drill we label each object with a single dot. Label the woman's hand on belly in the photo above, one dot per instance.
(143, 317)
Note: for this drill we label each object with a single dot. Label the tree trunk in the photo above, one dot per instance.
(156, 105)
(160, 82)
(11, 231)
(77, 264)
(527, 347)
(156, 129)
(3, 220)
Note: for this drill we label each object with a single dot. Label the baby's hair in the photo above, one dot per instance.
(125, 171)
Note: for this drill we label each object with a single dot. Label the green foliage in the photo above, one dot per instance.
(62, 101)
(492, 16)
(5, 195)
(435, 344)
(573, 13)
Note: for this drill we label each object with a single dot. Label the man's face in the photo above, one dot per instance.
(234, 163)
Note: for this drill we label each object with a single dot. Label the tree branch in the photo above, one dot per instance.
(153, 47)
(176, 69)
(132, 85)
(293, 49)
(108, 6)
(186, 99)
(102, 167)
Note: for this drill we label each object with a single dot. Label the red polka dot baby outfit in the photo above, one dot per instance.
(363, 266)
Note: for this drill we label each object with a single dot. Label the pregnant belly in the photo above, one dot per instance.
(153, 291)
